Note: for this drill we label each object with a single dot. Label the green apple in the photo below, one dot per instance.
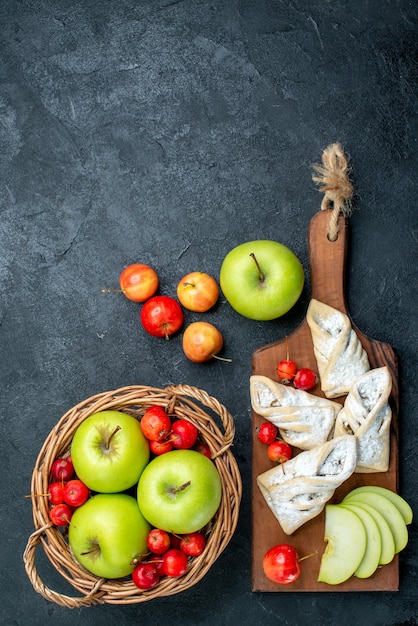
(346, 545)
(109, 451)
(400, 503)
(388, 543)
(371, 559)
(107, 533)
(261, 279)
(390, 513)
(179, 491)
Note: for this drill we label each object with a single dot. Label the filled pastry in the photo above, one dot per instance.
(339, 354)
(367, 415)
(303, 420)
(297, 490)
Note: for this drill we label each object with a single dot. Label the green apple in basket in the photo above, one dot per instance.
(109, 451)
(107, 534)
(179, 491)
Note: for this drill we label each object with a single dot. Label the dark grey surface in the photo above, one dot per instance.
(168, 132)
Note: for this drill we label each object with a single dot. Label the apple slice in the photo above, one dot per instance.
(400, 503)
(388, 542)
(389, 512)
(371, 558)
(346, 544)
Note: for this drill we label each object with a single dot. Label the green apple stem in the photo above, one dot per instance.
(260, 272)
(183, 486)
(95, 549)
(112, 434)
(173, 491)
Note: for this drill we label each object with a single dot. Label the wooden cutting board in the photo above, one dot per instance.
(327, 268)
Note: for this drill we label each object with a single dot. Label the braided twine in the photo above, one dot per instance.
(334, 182)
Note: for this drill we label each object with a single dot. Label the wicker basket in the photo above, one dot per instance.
(180, 401)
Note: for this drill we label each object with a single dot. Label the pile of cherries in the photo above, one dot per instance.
(168, 556)
(66, 492)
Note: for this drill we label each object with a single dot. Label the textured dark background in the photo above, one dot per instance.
(168, 132)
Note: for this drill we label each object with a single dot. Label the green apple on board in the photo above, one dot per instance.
(262, 279)
(108, 533)
(109, 451)
(371, 558)
(346, 544)
(363, 532)
(179, 491)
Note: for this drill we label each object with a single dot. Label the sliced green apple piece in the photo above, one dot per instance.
(400, 503)
(371, 559)
(388, 542)
(346, 544)
(390, 513)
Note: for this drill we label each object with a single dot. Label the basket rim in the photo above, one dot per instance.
(216, 429)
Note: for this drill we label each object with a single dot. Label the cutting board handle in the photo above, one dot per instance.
(327, 260)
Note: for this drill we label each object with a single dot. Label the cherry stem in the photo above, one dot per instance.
(260, 272)
(38, 495)
(112, 434)
(287, 349)
(220, 358)
(307, 556)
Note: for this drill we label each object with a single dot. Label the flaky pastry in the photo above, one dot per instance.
(303, 420)
(367, 414)
(297, 490)
(339, 353)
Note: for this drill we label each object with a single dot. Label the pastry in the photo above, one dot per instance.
(366, 414)
(297, 490)
(303, 420)
(339, 354)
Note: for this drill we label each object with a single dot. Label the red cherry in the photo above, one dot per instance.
(145, 576)
(267, 432)
(183, 434)
(155, 423)
(281, 564)
(62, 469)
(56, 493)
(305, 379)
(286, 370)
(161, 316)
(158, 541)
(160, 447)
(193, 544)
(203, 448)
(175, 562)
(279, 451)
(60, 514)
(75, 492)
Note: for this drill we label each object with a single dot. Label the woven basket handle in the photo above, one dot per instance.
(63, 600)
(211, 403)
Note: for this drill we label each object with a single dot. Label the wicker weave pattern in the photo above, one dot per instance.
(180, 401)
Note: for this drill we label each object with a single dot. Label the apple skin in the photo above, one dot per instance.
(115, 532)
(198, 291)
(114, 469)
(253, 297)
(188, 509)
(138, 282)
